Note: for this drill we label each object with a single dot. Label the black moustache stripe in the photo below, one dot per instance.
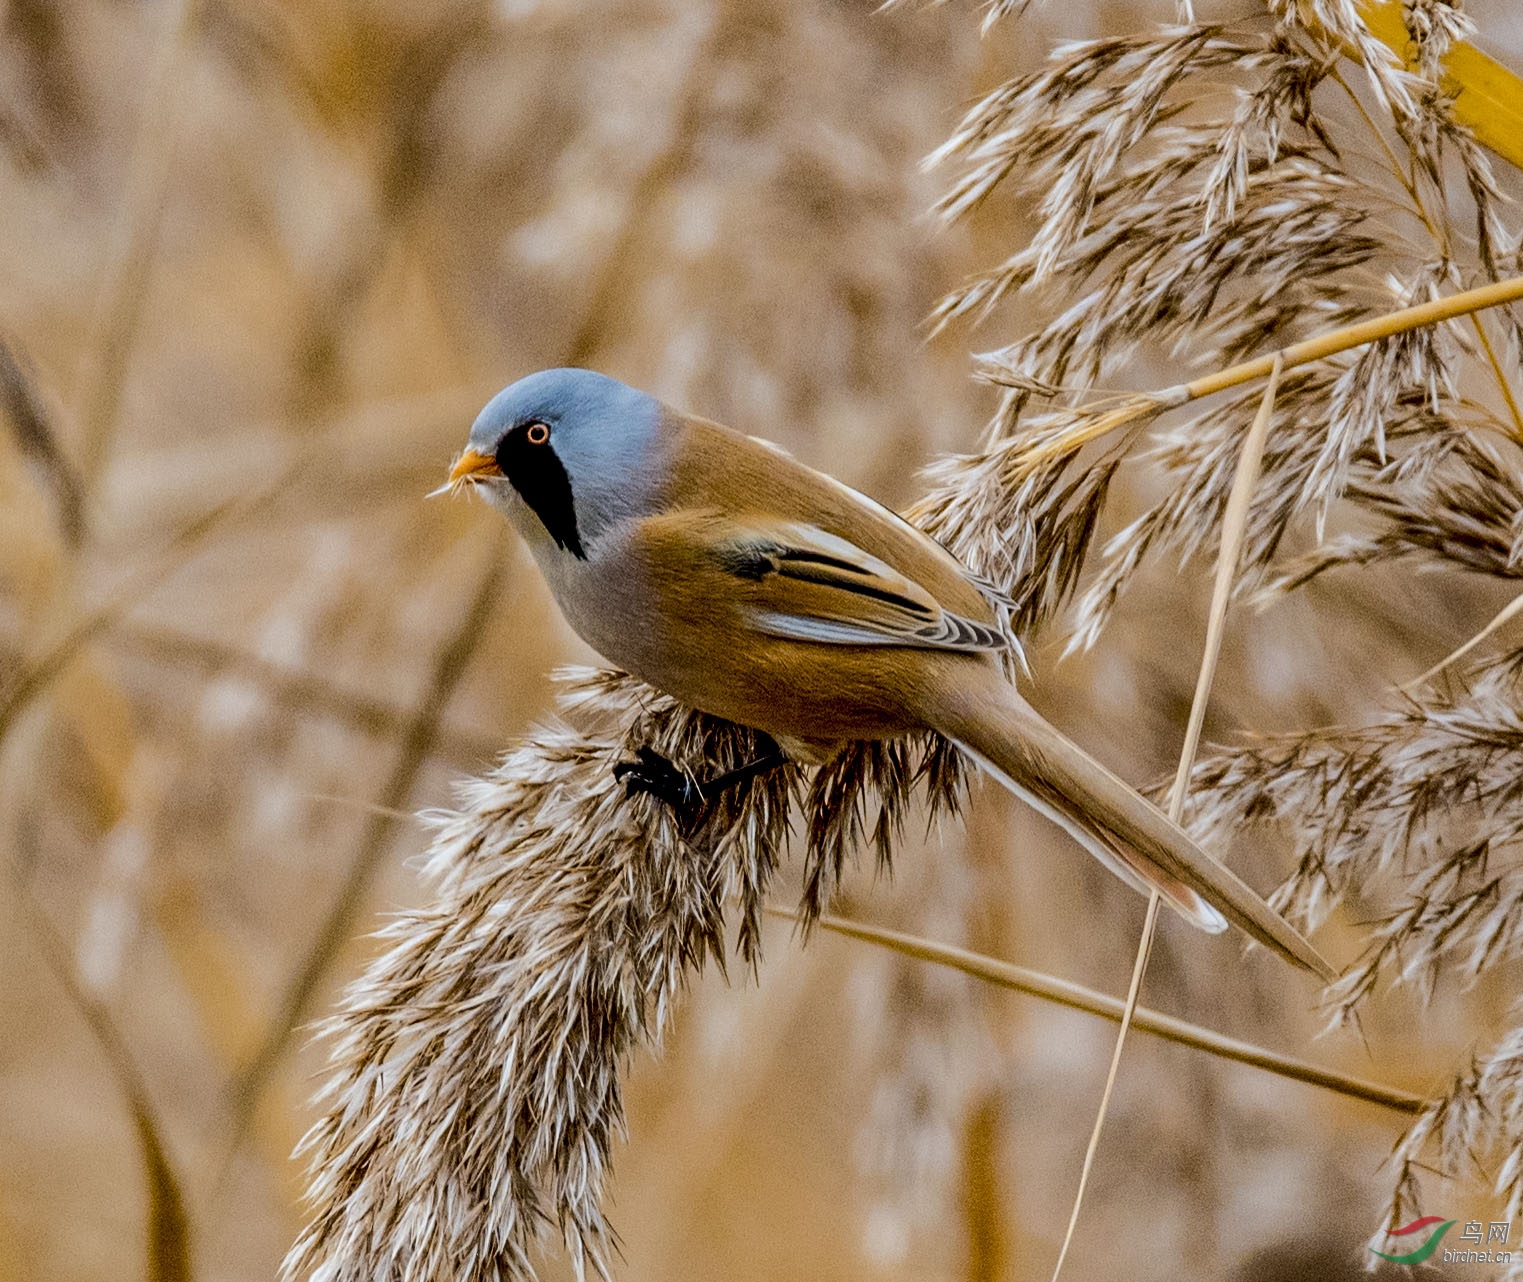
(541, 481)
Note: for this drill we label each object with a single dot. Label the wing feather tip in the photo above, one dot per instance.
(1209, 920)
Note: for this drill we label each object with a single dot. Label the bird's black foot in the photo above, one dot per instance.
(652, 773)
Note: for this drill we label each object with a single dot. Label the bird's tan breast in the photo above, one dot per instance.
(688, 627)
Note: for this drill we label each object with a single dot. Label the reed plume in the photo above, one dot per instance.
(475, 1088)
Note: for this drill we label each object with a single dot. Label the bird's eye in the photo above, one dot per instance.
(538, 434)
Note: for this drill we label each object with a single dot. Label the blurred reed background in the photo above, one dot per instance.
(262, 263)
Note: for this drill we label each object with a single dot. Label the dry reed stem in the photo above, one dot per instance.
(1234, 523)
(1234, 526)
(1499, 620)
(1065, 992)
(1143, 406)
(1465, 303)
(169, 1230)
(22, 404)
(1112, 1072)
(307, 692)
(56, 656)
(103, 378)
(228, 1014)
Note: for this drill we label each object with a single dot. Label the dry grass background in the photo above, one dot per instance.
(262, 263)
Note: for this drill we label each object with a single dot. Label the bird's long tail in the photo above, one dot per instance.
(1132, 837)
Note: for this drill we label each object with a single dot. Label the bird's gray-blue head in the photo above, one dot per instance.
(576, 448)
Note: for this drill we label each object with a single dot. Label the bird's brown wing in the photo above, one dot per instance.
(743, 479)
(800, 582)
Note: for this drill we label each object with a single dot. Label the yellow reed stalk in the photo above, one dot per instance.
(1335, 341)
(1144, 405)
(1487, 97)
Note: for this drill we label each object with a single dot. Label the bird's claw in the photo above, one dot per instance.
(656, 775)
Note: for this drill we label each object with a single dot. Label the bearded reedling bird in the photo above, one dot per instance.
(717, 568)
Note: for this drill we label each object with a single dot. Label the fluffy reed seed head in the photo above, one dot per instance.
(475, 1088)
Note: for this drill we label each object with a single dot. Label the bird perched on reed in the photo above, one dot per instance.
(719, 569)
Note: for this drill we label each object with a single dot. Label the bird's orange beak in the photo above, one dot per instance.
(470, 466)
